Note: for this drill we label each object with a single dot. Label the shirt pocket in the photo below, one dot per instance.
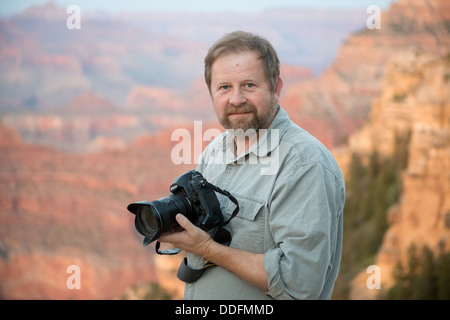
(247, 228)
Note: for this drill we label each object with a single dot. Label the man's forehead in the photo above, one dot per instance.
(237, 54)
(234, 63)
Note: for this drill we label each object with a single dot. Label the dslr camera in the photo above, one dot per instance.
(192, 196)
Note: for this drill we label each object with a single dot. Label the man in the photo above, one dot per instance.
(286, 238)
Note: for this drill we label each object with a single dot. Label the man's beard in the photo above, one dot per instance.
(256, 122)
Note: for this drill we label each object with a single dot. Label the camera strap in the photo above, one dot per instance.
(168, 252)
(227, 194)
(189, 275)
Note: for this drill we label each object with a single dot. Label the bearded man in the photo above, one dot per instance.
(286, 239)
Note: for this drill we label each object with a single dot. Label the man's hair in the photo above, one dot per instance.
(238, 42)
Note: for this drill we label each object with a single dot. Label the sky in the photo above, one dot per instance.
(9, 7)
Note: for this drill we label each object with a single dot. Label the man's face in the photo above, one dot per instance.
(241, 92)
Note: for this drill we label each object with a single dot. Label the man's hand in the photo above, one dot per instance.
(193, 239)
(247, 265)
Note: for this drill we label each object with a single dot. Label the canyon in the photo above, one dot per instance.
(338, 102)
(415, 101)
(84, 134)
(60, 209)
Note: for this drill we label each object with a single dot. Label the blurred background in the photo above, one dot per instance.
(89, 98)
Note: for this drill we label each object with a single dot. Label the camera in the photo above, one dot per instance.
(192, 196)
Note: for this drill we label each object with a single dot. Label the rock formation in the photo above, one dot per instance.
(415, 99)
(337, 103)
(59, 209)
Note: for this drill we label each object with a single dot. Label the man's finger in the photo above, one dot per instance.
(184, 222)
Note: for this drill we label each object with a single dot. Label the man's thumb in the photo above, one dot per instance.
(184, 222)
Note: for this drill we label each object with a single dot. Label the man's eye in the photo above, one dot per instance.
(224, 87)
(249, 85)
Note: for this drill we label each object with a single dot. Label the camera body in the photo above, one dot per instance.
(191, 195)
(206, 207)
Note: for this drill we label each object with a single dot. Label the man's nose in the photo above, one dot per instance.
(237, 97)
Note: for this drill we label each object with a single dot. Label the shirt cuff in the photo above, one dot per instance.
(277, 289)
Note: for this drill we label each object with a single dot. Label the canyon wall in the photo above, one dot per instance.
(415, 100)
(59, 209)
(338, 102)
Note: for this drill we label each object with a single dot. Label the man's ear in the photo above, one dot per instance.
(277, 93)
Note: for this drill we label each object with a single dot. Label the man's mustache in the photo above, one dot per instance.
(243, 108)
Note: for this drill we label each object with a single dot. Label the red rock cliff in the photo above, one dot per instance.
(415, 98)
(337, 103)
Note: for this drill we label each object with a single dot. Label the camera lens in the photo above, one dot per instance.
(156, 217)
(148, 220)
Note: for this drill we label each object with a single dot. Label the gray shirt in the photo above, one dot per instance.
(291, 196)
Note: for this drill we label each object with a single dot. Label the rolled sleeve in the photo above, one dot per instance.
(303, 224)
(276, 284)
